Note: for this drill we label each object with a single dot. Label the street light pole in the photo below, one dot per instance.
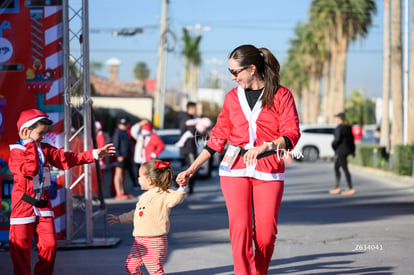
(161, 68)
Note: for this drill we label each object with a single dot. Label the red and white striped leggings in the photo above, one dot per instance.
(148, 251)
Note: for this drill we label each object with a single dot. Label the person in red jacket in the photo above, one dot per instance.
(148, 144)
(258, 119)
(32, 214)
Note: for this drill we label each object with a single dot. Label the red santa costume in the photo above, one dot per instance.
(148, 146)
(32, 214)
(258, 187)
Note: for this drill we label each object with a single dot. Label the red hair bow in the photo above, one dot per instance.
(161, 165)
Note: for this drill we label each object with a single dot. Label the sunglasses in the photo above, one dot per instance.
(236, 72)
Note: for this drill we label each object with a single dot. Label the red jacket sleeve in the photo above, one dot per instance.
(65, 160)
(289, 119)
(222, 129)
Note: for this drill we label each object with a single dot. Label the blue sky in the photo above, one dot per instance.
(263, 23)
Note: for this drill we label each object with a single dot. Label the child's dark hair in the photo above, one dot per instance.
(161, 177)
(43, 121)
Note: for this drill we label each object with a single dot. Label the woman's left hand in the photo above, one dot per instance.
(250, 158)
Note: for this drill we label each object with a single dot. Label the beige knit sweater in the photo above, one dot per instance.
(152, 212)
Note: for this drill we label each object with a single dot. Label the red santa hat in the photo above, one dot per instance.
(98, 125)
(29, 117)
(147, 127)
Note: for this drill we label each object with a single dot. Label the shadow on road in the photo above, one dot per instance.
(320, 263)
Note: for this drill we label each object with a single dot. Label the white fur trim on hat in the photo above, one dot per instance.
(29, 123)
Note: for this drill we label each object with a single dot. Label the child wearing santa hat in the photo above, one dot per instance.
(32, 216)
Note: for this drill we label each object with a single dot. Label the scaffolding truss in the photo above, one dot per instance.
(77, 102)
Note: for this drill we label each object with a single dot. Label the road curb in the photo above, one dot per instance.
(383, 174)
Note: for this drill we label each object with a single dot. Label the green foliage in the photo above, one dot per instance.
(359, 109)
(141, 71)
(371, 155)
(374, 155)
(403, 159)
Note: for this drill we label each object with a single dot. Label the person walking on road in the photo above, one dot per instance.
(258, 119)
(151, 217)
(343, 145)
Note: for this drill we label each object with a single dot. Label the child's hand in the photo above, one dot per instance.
(107, 150)
(112, 219)
(184, 177)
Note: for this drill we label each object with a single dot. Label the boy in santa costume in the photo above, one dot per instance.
(32, 215)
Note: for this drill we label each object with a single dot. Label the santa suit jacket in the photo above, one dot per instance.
(152, 145)
(24, 164)
(241, 126)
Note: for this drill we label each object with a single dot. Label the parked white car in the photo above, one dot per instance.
(315, 142)
(171, 153)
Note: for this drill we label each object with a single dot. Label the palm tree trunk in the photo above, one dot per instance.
(410, 138)
(305, 104)
(187, 79)
(385, 124)
(396, 75)
(194, 83)
(314, 84)
(333, 84)
(326, 92)
(341, 75)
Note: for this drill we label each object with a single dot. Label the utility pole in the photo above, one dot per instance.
(161, 68)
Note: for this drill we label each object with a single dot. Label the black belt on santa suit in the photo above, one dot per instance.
(34, 202)
(259, 156)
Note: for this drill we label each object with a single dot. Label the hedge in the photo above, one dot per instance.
(375, 155)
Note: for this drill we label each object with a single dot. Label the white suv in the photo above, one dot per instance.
(315, 142)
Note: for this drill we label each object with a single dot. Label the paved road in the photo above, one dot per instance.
(368, 233)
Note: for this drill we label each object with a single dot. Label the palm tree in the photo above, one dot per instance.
(295, 73)
(385, 124)
(141, 71)
(396, 75)
(192, 58)
(307, 47)
(346, 20)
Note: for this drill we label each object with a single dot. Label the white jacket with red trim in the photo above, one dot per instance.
(24, 164)
(241, 126)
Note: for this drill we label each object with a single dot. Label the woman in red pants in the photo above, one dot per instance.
(258, 121)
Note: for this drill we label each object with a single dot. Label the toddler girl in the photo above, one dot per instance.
(151, 217)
